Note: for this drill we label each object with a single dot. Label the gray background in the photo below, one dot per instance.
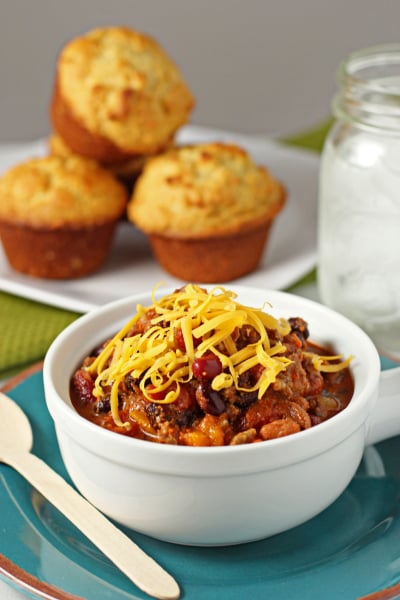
(255, 66)
(258, 67)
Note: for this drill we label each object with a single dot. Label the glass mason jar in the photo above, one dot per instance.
(359, 197)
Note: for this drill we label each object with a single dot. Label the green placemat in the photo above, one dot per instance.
(27, 328)
(313, 139)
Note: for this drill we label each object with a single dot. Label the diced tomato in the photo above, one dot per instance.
(180, 341)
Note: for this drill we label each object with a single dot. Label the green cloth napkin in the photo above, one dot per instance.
(27, 328)
(313, 139)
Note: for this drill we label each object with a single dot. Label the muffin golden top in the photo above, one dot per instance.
(203, 190)
(122, 85)
(60, 191)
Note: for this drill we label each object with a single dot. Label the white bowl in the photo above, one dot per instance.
(217, 495)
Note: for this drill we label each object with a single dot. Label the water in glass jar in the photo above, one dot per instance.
(359, 233)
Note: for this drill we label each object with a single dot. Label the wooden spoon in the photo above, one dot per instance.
(15, 444)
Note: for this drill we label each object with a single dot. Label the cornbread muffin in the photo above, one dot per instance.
(207, 210)
(117, 95)
(58, 216)
(127, 171)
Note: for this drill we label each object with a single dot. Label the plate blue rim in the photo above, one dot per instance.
(350, 550)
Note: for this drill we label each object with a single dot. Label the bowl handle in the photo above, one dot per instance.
(384, 421)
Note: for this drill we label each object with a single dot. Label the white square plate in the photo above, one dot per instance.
(131, 268)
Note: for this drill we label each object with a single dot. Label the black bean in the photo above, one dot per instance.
(300, 328)
(102, 406)
(209, 400)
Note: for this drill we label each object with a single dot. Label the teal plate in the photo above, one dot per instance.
(350, 550)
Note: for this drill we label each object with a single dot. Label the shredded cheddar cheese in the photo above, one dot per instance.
(324, 363)
(207, 322)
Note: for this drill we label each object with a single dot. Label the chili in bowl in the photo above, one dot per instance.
(182, 450)
(198, 368)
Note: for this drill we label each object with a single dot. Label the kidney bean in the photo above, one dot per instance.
(206, 366)
(83, 385)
